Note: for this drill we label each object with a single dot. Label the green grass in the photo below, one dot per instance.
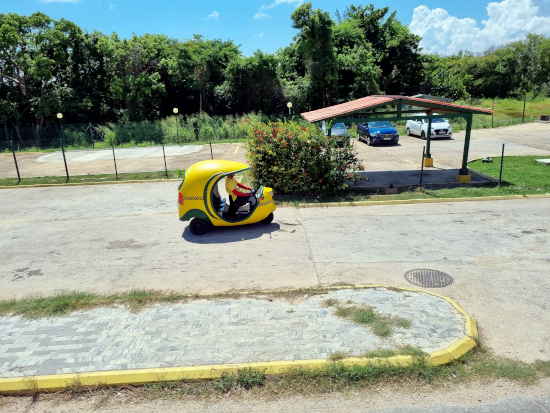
(381, 325)
(518, 171)
(522, 175)
(66, 302)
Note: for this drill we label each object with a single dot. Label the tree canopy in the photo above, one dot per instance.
(49, 66)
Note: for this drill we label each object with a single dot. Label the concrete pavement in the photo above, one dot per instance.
(120, 237)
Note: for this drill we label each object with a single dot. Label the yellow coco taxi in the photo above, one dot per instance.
(199, 198)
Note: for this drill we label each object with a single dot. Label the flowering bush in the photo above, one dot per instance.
(301, 160)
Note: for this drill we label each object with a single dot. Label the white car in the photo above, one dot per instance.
(440, 127)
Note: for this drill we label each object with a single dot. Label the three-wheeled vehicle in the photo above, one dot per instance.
(199, 199)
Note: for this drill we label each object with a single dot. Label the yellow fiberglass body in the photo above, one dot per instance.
(199, 199)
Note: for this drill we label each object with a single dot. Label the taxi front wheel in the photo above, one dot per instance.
(199, 226)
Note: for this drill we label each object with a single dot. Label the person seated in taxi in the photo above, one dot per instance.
(239, 193)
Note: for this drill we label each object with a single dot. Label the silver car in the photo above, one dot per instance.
(339, 129)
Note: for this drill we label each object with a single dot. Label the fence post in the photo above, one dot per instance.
(523, 115)
(91, 134)
(422, 165)
(64, 160)
(164, 155)
(14, 159)
(114, 159)
(63, 150)
(35, 136)
(148, 133)
(501, 163)
(493, 114)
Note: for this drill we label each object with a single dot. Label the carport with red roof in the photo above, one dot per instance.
(365, 110)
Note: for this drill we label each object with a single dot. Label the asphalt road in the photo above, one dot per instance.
(107, 238)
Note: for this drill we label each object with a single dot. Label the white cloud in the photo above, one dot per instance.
(508, 20)
(261, 16)
(59, 1)
(296, 3)
(112, 6)
(214, 15)
(258, 35)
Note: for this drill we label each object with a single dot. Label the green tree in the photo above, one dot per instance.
(358, 75)
(252, 84)
(315, 41)
(396, 50)
(36, 60)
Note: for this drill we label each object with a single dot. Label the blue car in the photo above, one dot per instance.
(381, 131)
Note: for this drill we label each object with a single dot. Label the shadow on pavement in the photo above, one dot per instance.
(224, 235)
(412, 177)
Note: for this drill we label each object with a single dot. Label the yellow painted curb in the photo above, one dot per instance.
(420, 201)
(57, 382)
(136, 181)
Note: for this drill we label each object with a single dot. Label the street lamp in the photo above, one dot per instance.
(289, 106)
(175, 110)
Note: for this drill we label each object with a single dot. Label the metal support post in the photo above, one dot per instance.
(15, 160)
(114, 160)
(422, 166)
(164, 155)
(464, 169)
(177, 129)
(211, 153)
(523, 115)
(429, 139)
(501, 163)
(92, 134)
(493, 114)
(63, 150)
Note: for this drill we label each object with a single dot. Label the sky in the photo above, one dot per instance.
(445, 26)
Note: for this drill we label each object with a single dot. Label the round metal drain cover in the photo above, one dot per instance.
(428, 278)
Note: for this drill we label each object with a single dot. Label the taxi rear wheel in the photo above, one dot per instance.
(199, 226)
(268, 219)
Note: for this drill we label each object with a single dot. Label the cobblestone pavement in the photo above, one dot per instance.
(217, 332)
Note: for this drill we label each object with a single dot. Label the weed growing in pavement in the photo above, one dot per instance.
(329, 302)
(381, 325)
(382, 353)
(337, 356)
(75, 388)
(245, 378)
(63, 303)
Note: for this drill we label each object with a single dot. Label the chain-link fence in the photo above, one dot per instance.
(402, 163)
(135, 150)
(118, 149)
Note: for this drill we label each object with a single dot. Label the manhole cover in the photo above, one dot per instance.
(428, 278)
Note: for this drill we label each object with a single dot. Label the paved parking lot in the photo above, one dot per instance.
(528, 139)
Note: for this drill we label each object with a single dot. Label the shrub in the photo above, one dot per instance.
(295, 159)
